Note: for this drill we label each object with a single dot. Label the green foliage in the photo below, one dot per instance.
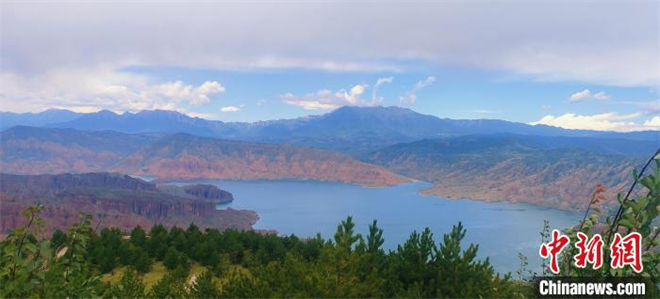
(37, 268)
(171, 258)
(58, 239)
(130, 286)
(638, 214)
(418, 268)
(287, 266)
(204, 287)
(345, 237)
(375, 239)
(172, 285)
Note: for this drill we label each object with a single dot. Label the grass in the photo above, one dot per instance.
(114, 276)
(158, 270)
(150, 278)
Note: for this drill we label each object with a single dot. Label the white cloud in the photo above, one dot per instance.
(586, 94)
(230, 109)
(653, 122)
(411, 96)
(326, 99)
(601, 96)
(374, 93)
(178, 92)
(600, 122)
(99, 88)
(585, 46)
(579, 96)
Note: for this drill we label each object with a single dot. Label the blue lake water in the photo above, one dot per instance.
(306, 208)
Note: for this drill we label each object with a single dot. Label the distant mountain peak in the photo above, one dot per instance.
(104, 112)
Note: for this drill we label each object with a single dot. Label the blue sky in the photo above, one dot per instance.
(457, 92)
(559, 63)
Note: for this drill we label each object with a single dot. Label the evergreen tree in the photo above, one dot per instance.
(130, 286)
(345, 236)
(58, 238)
(170, 286)
(375, 239)
(157, 242)
(204, 287)
(171, 258)
(139, 237)
(142, 261)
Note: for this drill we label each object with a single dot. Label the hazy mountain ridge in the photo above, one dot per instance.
(50, 116)
(175, 157)
(514, 168)
(506, 160)
(353, 130)
(115, 200)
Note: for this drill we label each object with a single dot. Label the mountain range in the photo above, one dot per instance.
(180, 156)
(351, 130)
(376, 146)
(552, 171)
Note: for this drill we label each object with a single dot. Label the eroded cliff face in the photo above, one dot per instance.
(508, 169)
(28, 150)
(114, 200)
(208, 192)
(186, 157)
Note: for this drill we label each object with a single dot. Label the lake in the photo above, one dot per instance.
(307, 207)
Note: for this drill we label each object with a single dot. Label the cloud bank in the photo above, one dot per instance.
(611, 121)
(326, 99)
(91, 90)
(586, 45)
(230, 109)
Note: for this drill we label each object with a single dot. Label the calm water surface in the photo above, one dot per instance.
(306, 207)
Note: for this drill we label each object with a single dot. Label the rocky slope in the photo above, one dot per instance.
(513, 168)
(115, 200)
(182, 157)
(27, 150)
(30, 150)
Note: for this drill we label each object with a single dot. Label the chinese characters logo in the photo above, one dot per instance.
(624, 251)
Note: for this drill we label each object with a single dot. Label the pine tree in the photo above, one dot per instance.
(171, 258)
(345, 236)
(375, 239)
(130, 286)
(204, 287)
(139, 237)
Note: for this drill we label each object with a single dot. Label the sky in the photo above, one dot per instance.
(573, 64)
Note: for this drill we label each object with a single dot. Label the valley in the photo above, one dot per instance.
(488, 160)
